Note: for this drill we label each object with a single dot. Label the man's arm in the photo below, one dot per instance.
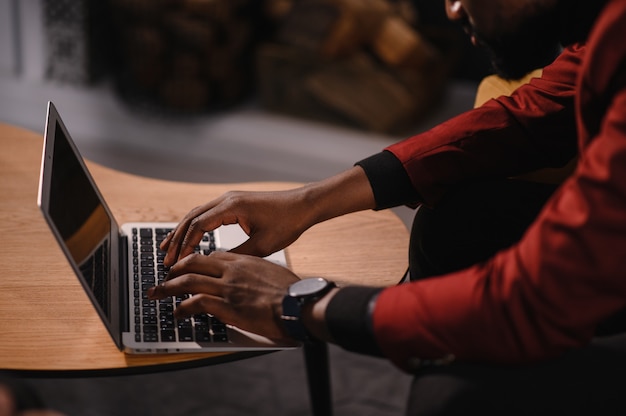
(547, 293)
(458, 141)
(272, 220)
(533, 128)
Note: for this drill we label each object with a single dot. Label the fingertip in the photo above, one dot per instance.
(168, 276)
(179, 313)
(184, 252)
(166, 240)
(167, 262)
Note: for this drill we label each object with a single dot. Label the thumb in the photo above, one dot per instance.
(252, 246)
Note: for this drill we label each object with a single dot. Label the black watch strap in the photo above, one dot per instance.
(298, 295)
(292, 319)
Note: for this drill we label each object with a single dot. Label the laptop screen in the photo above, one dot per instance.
(80, 219)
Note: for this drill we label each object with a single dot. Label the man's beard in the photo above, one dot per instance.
(533, 45)
(513, 60)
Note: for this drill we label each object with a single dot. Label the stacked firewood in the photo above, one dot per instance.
(358, 61)
(362, 62)
(187, 55)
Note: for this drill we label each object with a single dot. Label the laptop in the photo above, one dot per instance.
(116, 264)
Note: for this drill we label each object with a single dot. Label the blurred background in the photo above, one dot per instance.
(234, 91)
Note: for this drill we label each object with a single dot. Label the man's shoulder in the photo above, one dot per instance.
(609, 30)
(606, 46)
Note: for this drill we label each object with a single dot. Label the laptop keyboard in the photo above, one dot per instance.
(154, 319)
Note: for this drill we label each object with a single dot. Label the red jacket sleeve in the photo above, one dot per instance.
(534, 128)
(547, 293)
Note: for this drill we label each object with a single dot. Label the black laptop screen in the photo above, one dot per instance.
(80, 219)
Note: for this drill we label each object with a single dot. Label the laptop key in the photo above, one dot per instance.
(150, 329)
(203, 336)
(150, 311)
(149, 320)
(168, 335)
(167, 323)
(185, 334)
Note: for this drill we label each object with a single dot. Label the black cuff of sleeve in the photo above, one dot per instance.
(389, 180)
(349, 319)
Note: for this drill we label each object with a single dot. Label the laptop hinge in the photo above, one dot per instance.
(123, 268)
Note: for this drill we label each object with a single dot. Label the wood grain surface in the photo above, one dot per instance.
(47, 323)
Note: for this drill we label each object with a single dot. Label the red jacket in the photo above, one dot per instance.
(547, 293)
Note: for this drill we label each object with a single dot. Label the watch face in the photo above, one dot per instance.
(308, 287)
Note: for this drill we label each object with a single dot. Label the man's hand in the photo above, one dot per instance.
(272, 220)
(241, 290)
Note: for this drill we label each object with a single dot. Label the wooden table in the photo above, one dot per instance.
(47, 324)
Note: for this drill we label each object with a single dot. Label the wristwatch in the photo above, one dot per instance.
(299, 294)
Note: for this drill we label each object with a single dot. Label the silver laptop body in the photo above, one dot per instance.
(112, 262)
